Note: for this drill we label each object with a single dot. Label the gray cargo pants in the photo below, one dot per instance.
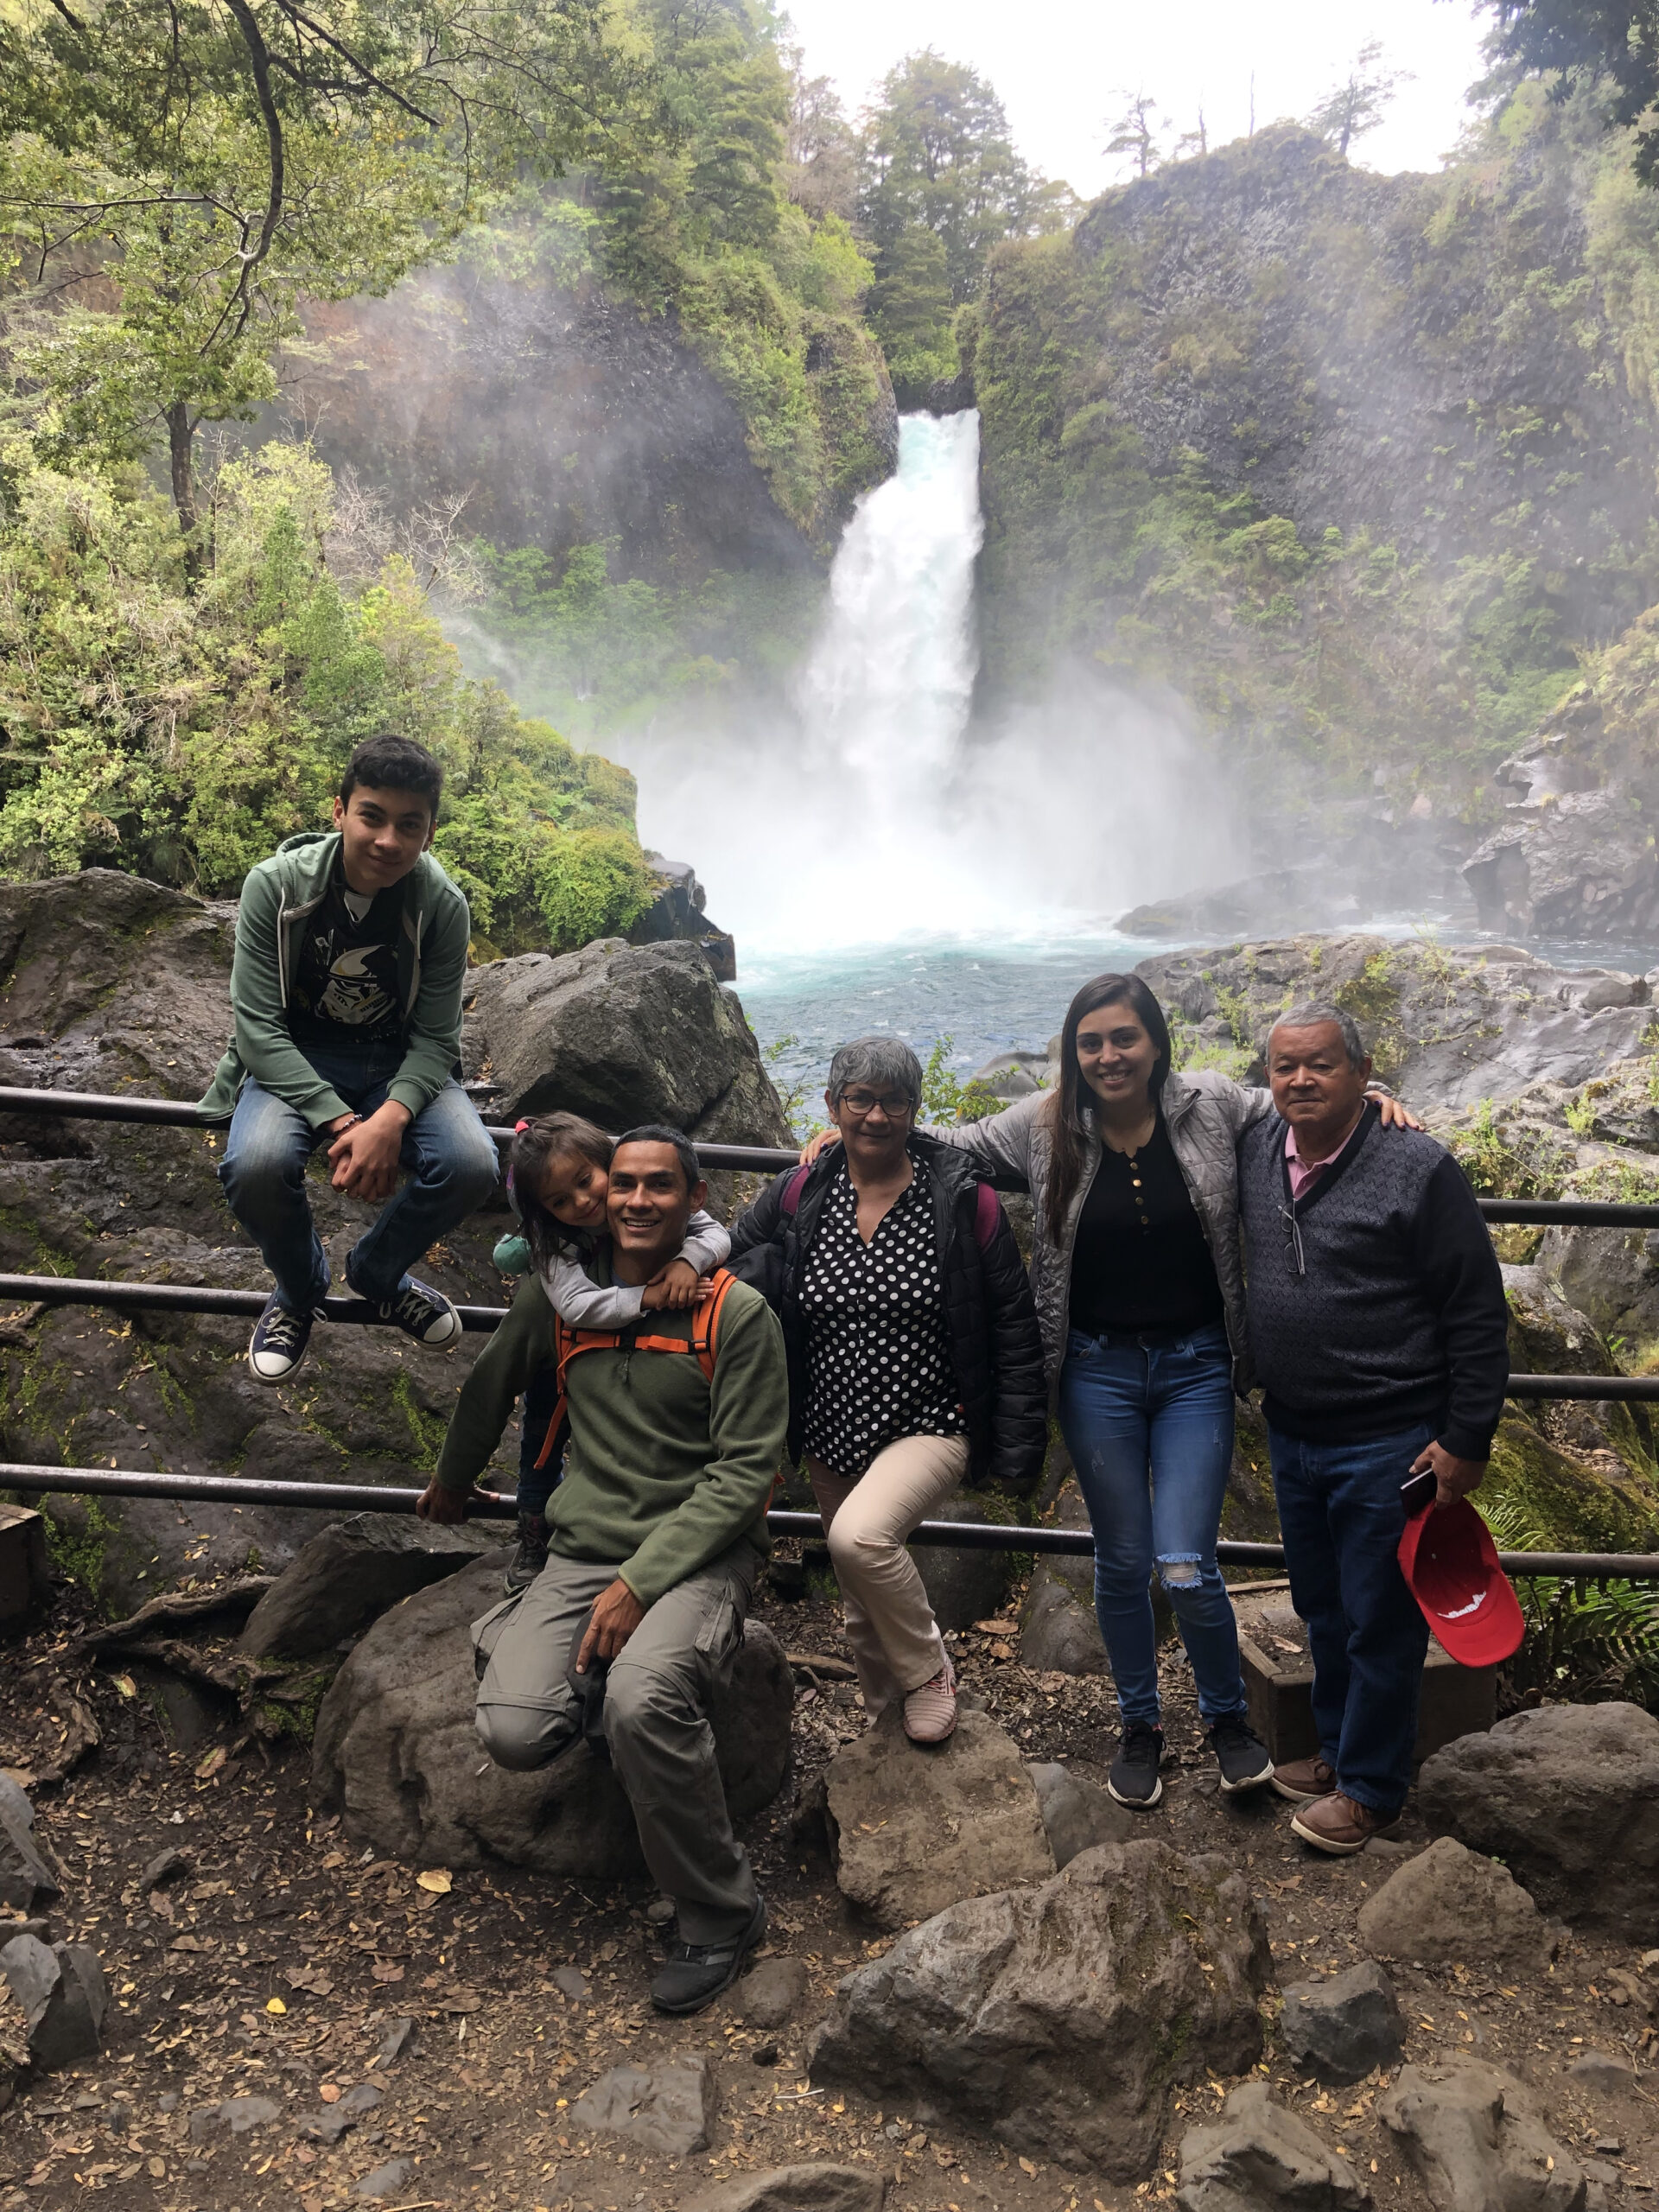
(656, 1718)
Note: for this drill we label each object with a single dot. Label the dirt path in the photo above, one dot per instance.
(278, 1965)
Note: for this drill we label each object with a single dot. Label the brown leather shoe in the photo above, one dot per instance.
(1303, 1780)
(1339, 1824)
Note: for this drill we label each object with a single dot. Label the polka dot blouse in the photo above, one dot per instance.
(877, 1350)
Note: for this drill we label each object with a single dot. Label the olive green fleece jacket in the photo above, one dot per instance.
(278, 899)
(664, 1469)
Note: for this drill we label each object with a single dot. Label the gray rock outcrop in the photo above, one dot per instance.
(820, 2188)
(1058, 1633)
(1257, 2156)
(64, 1997)
(623, 1034)
(1077, 1814)
(913, 1829)
(1061, 2016)
(26, 1880)
(1567, 1796)
(963, 1586)
(1449, 1904)
(1342, 2027)
(1477, 2142)
(351, 1573)
(396, 1749)
(668, 2107)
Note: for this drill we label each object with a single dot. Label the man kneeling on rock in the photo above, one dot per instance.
(656, 1534)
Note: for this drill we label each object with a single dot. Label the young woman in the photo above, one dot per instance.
(1140, 1286)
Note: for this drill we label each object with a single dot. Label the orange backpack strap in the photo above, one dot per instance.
(704, 1341)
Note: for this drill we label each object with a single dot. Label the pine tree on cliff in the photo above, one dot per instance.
(1351, 108)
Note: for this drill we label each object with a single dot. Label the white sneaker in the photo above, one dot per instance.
(931, 1711)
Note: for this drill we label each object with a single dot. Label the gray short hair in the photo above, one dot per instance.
(886, 1060)
(1318, 1014)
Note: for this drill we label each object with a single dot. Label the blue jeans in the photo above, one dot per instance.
(1341, 1512)
(537, 1485)
(1150, 1430)
(452, 1170)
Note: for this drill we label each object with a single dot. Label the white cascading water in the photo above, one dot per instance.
(874, 817)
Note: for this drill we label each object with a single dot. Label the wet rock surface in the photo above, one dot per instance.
(397, 1751)
(1567, 1798)
(914, 1827)
(1061, 2015)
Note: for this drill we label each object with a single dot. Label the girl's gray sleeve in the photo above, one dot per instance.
(581, 1303)
(707, 1244)
(1001, 1143)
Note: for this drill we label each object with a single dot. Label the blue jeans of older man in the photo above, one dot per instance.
(450, 1159)
(1342, 1518)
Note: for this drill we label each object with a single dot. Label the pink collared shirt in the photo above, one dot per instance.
(1304, 1173)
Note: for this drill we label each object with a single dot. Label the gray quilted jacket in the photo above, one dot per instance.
(1206, 1114)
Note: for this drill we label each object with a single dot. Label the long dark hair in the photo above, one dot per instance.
(1069, 1133)
(535, 1143)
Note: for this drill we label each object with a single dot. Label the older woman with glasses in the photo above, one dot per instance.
(914, 1355)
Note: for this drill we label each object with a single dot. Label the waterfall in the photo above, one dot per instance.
(872, 814)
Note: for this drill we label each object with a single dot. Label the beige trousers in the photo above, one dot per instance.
(895, 1640)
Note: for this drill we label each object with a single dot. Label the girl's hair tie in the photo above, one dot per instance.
(518, 1127)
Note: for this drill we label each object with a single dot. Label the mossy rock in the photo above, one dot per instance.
(1565, 1504)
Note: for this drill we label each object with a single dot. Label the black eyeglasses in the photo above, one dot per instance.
(1293, 1229)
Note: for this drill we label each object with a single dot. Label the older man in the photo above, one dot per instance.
(1379, 1331)
(656, 1535)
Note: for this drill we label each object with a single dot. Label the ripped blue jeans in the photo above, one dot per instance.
(1149, 1427)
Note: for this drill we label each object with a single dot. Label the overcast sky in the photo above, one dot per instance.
(1061, 65)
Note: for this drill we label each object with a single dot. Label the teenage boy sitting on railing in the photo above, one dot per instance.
(351, 953)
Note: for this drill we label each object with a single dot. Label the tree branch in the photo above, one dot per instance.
(259, 56)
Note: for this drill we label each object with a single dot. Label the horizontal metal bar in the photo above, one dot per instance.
(337, 1498)
(1570, 1213)
(199, 1297)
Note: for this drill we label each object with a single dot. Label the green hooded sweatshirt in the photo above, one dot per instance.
(278, 899)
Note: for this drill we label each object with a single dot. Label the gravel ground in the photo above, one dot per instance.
(278, 1964)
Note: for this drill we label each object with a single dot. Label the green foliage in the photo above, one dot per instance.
(182, 735)
(946, 1097)
(77, 1551)
(1354, 107)
(1586, 1641)
(1512, 1161)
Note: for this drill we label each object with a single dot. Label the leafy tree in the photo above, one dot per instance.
(1134, 134)
(935, 155)
(1194, 144)
(1607, 46)
(210, 162)
(909, 308)
(820, 150)
(1351, 108)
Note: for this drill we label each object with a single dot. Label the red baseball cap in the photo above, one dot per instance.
(1449, 1559)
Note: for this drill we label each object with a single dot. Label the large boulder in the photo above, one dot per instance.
(1343, 2026)
(1256, 2155)
(64, 1997)
(396, 1749)
(351, 1573)
(912, 1829)
(1061, 2017)
(1058, 1633)
(623, 1034)
(1450, 1903)
(963, 1586)
(1568, 1797)
(1567, 864)
(112, 984)
(1477, 2142)
(26, 1879)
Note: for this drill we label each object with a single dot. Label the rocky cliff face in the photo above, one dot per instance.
(1358, 465)
(110, 983)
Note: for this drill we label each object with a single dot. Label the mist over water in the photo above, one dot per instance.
(870, 810)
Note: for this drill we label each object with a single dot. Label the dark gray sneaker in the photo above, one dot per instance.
(1133, 1777)
(1240, 1753)
(277, 1344)
(697, 1972)
(531, 1557)
(423, 1313)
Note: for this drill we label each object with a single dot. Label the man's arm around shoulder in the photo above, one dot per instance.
(518, 1348)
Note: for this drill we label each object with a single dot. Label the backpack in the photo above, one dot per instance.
(704, 1344)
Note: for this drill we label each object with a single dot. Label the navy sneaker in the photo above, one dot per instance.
(697, 1972)
(422, 1312)
(277, 1344)
(1132, 1776)
(1240, 1753)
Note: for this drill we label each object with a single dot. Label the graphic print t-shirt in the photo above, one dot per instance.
(346, 978)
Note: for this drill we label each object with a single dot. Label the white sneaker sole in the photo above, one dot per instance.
(1136, 1804)
(1250, 1781)
(276, 1374)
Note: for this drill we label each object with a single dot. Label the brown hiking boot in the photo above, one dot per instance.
(1339, 1824)
(1303, 1780)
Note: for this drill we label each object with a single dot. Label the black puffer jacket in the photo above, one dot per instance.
(996, 1347)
